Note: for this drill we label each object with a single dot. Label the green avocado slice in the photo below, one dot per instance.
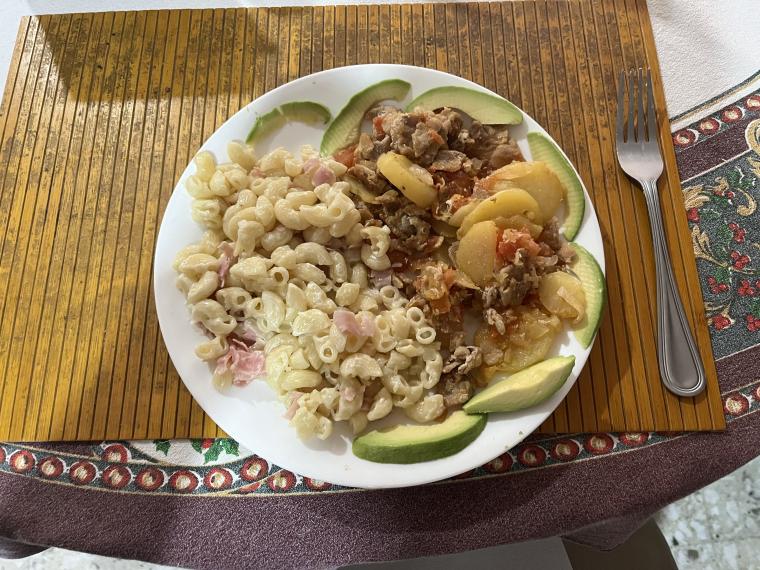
(543, 149)
(344, 129)
(293, 111)
(595, 287)
(524, 389)
(417, 443)
(484, 107)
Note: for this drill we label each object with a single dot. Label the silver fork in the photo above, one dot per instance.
(639, 155)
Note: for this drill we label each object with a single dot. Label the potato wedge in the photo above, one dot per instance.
(526, 342)
(518, 222)
(457, 217)
(536, 178)
(476, 255)
(504, 204)
(562, 295)
(408, 177)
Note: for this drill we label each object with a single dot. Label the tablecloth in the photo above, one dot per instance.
(210, 504)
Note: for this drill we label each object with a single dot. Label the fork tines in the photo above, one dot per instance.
(641, 127)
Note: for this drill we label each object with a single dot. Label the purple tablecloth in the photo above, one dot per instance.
(208, 504)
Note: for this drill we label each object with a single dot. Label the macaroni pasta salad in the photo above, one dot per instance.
(292, 284)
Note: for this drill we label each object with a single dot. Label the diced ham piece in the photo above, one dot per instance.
(245, 364)
(293, 406)
(311, 165)
(348, 323)
(250, 366)
(224, 363)
(323, 175)
(249, 333)
(226, 260)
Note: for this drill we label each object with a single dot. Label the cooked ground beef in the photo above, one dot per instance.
(566, 254)
(455, 392)
(513, 282)
(431, 283)
(390, 198)
(463, 360)
(494, 319)
(426, 142)
(455, 388)
(370, 148)
(419, 134)
(409, 224)
(550, 235)
(449, 185)
(364, 211)
(449, 325)
(489, 143)
(417, 301)
(522, 273)
(451, 161)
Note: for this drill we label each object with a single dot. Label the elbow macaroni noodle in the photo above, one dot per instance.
(292, 262)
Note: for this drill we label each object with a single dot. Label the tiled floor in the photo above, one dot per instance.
(717, 528)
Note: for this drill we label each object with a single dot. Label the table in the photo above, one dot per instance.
(130, 499)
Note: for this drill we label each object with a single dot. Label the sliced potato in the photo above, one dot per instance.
(476, 255)
(504, 204)
(562, 295)
(536, 178)
(457, 217)
(408, 177)
(518, 222)
(527, 341)
(360, 190)
(518, 357)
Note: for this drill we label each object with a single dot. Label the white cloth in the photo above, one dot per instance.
(705, 47)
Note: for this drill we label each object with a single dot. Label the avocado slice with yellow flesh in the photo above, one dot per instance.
(524, 389)
(417, 443)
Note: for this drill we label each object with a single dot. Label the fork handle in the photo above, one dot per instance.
(680, 364)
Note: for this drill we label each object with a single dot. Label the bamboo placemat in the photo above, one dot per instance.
(102, 112)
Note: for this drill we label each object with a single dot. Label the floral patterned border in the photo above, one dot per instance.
(721, 207)
(717, 122)
(125, 466)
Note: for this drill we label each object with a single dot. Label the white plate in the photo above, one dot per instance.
(253, 415)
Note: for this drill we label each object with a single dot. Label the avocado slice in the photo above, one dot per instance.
(344, 129)
(543, 149)
(417, 443)
(524, 389)
(484, 107)
(293, 111)
(594, 286)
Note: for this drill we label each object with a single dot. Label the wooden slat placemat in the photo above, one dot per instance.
(102, 112)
